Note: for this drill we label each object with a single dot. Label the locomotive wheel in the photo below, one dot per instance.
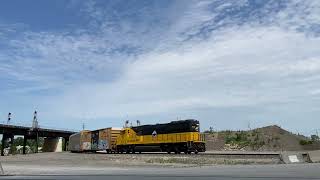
(177, 150)
(127, 150)
(133, 150)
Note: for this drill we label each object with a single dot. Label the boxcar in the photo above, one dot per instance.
(97, 140)
(104, 139)
(80, 142)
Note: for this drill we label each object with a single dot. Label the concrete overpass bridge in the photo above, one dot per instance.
(51, 135)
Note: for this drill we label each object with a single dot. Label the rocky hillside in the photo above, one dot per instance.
(270, 138)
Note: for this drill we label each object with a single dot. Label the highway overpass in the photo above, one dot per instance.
(9, 131)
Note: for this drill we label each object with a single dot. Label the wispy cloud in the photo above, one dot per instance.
(164, 59)
(211, 74)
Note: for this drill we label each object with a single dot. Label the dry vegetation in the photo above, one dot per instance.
(270, 138)
(198, 161)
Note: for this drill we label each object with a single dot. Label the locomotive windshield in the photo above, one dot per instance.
(195, 128)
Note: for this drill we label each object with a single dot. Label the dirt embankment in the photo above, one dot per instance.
(270, 138)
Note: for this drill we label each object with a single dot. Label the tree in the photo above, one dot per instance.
(30, 142)
(314, 138)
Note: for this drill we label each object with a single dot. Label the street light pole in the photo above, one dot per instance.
(35, 128)
(35, 120)
(9, 117)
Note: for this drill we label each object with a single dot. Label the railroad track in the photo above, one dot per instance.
(239, 155)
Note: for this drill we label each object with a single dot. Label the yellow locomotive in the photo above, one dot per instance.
(176, 136)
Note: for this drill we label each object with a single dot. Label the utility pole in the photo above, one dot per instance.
(83, 126)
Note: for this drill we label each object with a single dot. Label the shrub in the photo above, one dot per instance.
(305, 142)
(314, 138)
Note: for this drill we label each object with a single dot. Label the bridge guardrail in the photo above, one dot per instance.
(25, 125)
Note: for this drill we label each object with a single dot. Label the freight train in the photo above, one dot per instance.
(176, 136)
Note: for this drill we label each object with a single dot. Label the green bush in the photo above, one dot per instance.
(305, 142)
(240, 138)
(315, 138)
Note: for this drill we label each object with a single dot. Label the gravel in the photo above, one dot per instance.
(46, 163)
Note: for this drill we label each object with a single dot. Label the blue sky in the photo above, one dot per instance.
(229, 63)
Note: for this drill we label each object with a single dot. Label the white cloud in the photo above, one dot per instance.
(246, 67)
(300, 14)
(173, 68)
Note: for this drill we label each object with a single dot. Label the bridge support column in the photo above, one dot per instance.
(3, 144)
(66, 143)
(11, 144)
(37, 142)
(24, 144)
